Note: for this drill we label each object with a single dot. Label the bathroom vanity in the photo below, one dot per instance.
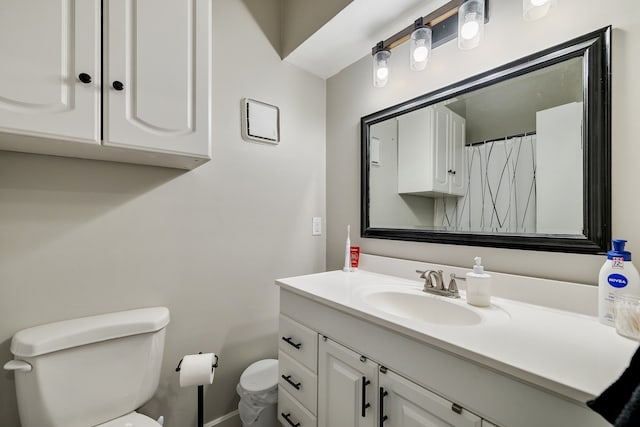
(369, 349)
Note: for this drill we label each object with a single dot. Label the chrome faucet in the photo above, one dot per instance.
(434, 284)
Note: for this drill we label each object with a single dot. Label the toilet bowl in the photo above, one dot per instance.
(258, 391)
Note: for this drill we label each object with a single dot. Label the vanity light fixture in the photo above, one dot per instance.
(429, 32)
(470, 24)
(419, 45)
(536, 9)
(381, 65)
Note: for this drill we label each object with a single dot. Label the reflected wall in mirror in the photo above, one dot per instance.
(516, 157)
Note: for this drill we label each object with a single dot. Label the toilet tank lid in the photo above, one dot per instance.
(86, 330)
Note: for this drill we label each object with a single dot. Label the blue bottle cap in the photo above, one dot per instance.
(618, 250)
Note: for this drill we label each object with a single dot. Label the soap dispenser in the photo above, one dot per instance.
(478, 285)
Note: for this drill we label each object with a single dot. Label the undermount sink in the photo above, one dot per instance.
(417, 305)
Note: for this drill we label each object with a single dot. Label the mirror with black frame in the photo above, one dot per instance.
(516, 157)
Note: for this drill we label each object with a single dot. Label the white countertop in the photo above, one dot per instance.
(567, 353)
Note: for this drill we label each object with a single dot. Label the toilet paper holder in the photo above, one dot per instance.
(200, 391)
(215, 364)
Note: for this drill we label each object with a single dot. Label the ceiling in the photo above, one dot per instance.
(352, 33)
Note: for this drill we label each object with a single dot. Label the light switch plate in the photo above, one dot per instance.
(316, 226)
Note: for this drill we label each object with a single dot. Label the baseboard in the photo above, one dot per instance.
(228, 420)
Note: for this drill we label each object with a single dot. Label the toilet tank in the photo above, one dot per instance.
(90, 370)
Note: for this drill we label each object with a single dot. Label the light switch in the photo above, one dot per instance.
(316, 226)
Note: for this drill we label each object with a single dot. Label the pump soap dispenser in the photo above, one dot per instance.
(478, 285)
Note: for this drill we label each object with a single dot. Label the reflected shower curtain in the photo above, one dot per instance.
(501, 189)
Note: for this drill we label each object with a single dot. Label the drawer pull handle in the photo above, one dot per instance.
(287, 378)
(382, 418)
(291, 343)
(84, 78)
(365, 404)
(287, 417)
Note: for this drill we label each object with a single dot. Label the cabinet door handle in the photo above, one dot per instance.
(365, 404)
(382, 417)
(453, 172)
(287, 417)
(287, 378)
(84, 78)
(450, 171)
(118, 85)
(291, 343)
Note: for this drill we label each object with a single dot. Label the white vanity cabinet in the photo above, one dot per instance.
(354, 391)
(124, 81)
(431, 157)
(425, 384)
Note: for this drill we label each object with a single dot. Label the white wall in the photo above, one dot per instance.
(350, 96)
(82, 237)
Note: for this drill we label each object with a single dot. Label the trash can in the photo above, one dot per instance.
(258, 391)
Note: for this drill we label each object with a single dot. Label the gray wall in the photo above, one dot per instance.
(82, 237)
(387, 207)
(507, 37)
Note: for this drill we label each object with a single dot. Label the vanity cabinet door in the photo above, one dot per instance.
(406, 404)
(157, 82)
(347, 387)
(50, 72)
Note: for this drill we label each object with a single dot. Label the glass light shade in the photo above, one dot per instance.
(536, 9)
(470, 24)
(381, 68)
(420, 48)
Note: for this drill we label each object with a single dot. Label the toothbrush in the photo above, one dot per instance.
(347, 252)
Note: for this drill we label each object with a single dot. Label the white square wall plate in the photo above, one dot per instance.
(260, 121)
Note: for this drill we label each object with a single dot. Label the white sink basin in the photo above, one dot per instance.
(417, 305)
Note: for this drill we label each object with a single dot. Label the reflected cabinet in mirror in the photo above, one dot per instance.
(517, 157)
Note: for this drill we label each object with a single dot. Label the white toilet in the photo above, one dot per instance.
(92, 371)
(258, 390)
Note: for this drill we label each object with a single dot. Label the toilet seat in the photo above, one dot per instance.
(260, 376)
(133, 419)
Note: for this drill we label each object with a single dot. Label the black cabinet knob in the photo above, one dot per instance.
(84, 78)
(117, 85)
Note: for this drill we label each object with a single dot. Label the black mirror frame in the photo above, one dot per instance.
(595, 49)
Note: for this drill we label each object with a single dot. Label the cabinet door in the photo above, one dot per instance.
(458, 156)
(406, 404)
(157, 85)
(44, 46)
(347, 386)
(441, 165)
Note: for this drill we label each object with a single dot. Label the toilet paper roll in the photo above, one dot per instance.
(197, 369)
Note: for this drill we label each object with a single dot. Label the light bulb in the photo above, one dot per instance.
(420, 54)
(539, 2)
(470, 24)
(469, 30)
(382, 73)
(381, 68)
(420, 48)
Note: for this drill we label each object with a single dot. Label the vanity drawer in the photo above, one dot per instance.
(300, 382)
(299, 342)
(292, 413)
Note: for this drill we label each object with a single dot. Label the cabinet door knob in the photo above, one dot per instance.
(118, 85)
(84, 78)
(449, 171)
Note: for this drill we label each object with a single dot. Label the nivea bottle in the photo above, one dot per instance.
(617, 276)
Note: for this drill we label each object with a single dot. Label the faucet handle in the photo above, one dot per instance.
(453, 286)
(425, 275)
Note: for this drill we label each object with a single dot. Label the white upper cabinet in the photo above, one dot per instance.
(151, 106)
(157, 82)
(46, 48)
(431, 158)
